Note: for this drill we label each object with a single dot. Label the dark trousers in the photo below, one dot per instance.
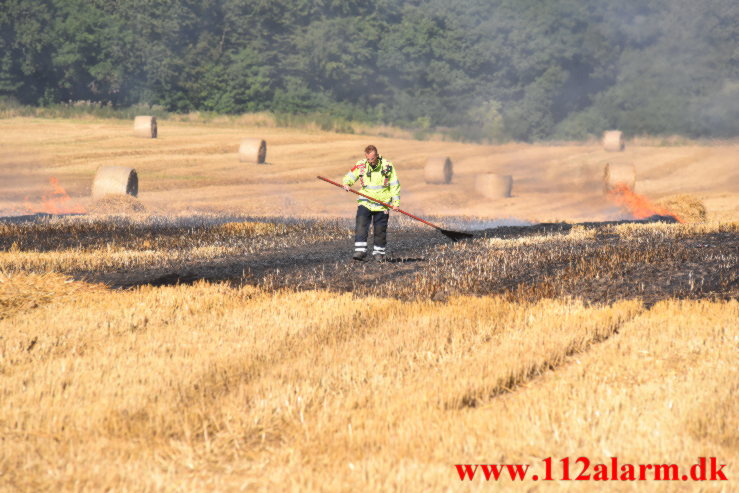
(364, 218)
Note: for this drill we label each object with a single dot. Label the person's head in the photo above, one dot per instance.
(370, 152)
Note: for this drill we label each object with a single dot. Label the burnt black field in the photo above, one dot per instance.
(595, 262)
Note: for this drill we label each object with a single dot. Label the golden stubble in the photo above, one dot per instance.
(208, 386)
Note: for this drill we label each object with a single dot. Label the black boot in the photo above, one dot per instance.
(359, 255)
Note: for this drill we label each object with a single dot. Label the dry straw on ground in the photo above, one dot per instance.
(688, 208)
(117, 204)
(247, 229)
(216, 386)
(438, 170)
(20, 293)
(209, 387)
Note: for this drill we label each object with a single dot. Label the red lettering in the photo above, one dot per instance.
(627, 473)
(665, 472)
(717, 474)
(514, 471)
(465, 470)
(548, 475)
(699, 468)
(565, 469)
(586, 464)
(601, 472)
(643, 471)
(493, 470)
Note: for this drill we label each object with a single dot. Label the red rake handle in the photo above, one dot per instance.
(379, 202)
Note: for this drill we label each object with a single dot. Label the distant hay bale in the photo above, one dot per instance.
(117, 204)
(438, 170)
(494, 186)
(115, 180)
(687, 208)
(619, 173)
(145, 126)
(613, 140)
(253, 151)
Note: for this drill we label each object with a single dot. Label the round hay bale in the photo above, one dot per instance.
(145, 126)
(613, 140)
(619, 174)
(687, 208)
(253, 151)
(115, 180)
(438, 170)
(494, 186)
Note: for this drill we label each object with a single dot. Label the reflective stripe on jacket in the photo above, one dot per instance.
(380, 182)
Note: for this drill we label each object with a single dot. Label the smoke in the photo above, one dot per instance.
(479, 224)
(718, 113)
(55, 200)
(19, 180)
(662, 67)
(28, 186)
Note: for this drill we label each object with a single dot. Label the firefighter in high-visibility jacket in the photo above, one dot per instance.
(378, 179)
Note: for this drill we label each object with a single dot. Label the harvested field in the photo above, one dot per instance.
(194, 167)
(208, 386)
(214, 334)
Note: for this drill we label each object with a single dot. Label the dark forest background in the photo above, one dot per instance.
(486, 69)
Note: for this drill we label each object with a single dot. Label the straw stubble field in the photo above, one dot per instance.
(241, 384)
(195, 166)
(210, 351)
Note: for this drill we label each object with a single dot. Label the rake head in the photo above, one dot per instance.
(456, 236)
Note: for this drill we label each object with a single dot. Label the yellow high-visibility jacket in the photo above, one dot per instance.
(379, 182)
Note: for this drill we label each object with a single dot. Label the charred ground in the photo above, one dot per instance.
(596, 262)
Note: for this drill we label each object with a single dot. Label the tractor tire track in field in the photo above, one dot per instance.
(242, 375)
(514, 381)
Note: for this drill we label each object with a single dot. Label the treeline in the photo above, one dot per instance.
(485, 69)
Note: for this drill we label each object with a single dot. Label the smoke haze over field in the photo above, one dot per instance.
(477, 69)
(18, 181)
(472, 224)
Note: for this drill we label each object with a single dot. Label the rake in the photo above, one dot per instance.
(452, 235)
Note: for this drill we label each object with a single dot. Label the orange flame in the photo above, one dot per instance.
(56, 201)
(639, 206)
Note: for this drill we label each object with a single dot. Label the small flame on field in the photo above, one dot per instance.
(56, 201)
(639, 206)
